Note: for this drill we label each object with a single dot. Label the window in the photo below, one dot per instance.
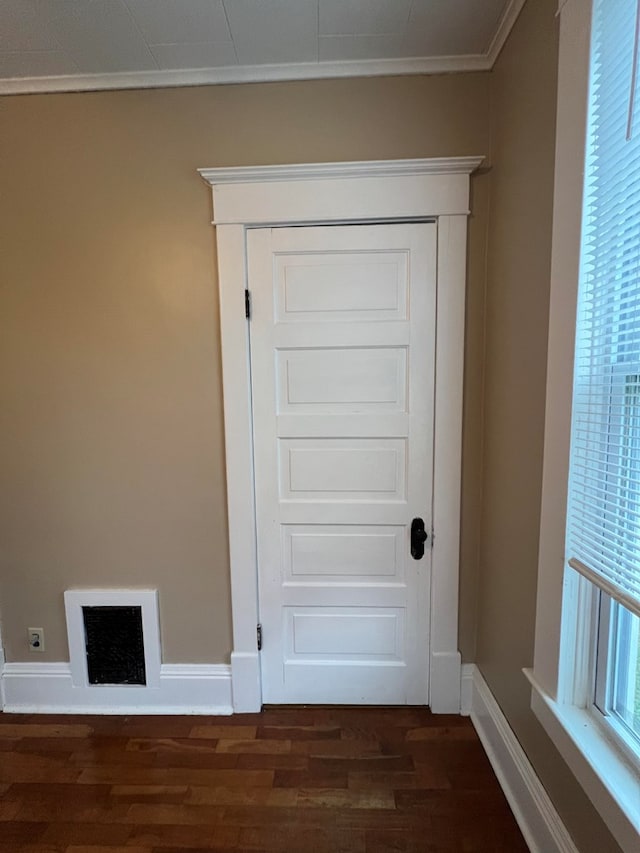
(586, 673)
(603, 517)
(617, 692)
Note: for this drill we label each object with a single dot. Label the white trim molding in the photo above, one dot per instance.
(539, 822)
(168, 78)
(341, 192)
(467, 672)
(507, 22)
(2, 665)
(395, 190)
(349, 169)
(48, 688)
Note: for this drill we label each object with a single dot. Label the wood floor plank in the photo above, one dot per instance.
(264, 747)
(331, 732)
(123, 775)
(184, 815)
(8, 810)
(149, 793)
(16, 767)
(47, 745)
(101, 848)
(397, 841)
(291, 838)
(53, 793)
(379, 798)
(441, 733)
(68, 812)
(17, 833)
(215, 732)
(336, 748)
(70, 832)
(367, 763)
(108, 755)
(266, 816)
(10, 847)
(45, 730)
(204, 761)
(395, 781)
(322, 778)
(189, 746)
(274, 797)
(180, 837)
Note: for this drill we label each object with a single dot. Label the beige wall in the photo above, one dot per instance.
(111, 459)
(523, 103)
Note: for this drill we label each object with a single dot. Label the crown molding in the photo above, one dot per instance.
(507, 21)
(326, 171)
(244, 74)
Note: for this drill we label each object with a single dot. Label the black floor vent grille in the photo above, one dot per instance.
(114, 644)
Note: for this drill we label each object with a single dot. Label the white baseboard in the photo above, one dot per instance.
(2, 666)
(466, 688)
(47, 688)
(537, 818)
(247, 688)
(444, 689)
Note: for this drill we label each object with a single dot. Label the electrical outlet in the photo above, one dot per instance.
(36, 639)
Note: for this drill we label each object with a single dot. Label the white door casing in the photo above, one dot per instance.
(342, 363)
(368, 192)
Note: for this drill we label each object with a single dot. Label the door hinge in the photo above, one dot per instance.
(259, 636)
(431, 537)
(247, 304)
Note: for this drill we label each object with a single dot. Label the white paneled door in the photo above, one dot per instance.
(342, 358)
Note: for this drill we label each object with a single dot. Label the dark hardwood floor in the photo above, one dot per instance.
(308, 780)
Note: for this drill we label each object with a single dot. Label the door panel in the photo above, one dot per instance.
(351, 632)
(363, 286)
(342, 468)
(342, 552)
(342, 380)
(342, 357)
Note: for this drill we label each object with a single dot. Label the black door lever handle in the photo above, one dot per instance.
(418, 537)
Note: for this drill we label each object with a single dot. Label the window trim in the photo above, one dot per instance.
(610, 633)
(562, 674)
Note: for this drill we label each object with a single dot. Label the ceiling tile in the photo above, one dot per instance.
(175, 21)
(363, 17)
(274, 31)
(43, 63)
(335, 48)
(203, 55)
(100, 35)
(449, 27)
(24, 26)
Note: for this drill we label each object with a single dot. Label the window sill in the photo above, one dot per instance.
(607, 778)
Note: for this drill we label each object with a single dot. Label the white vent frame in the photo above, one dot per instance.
(146, 599)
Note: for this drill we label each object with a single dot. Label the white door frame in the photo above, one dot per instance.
(367, 192)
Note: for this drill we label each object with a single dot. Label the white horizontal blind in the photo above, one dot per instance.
(603, 533)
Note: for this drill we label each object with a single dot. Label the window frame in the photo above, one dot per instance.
(563, 674)
(610, 633)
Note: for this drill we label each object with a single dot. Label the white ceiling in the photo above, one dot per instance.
(57, 45)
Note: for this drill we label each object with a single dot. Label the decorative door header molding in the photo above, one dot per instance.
(341, 192)
(354, 169)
